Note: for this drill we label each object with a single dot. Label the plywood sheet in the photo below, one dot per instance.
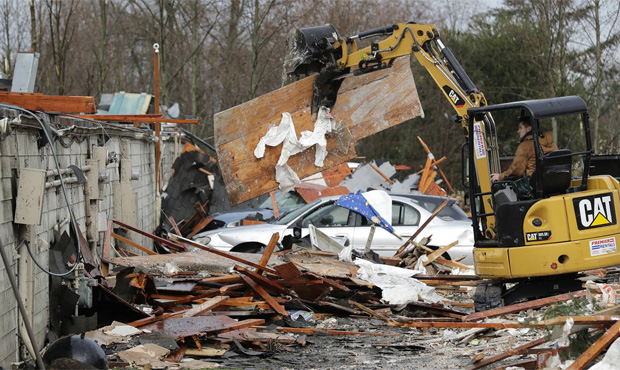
(366, 104)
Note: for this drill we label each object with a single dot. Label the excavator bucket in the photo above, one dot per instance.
(366, 104)
(311, 50)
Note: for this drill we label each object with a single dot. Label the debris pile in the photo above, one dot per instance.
(212, 308)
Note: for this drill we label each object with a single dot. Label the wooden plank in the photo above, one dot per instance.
(105, 252)
(512, 352)
(176, 229)
(391, 322)
(443, 324)
(268, 251)
(268, 299)
(206, 352)
(581, 320)
(133, 244)
(595, 349)
(154, 237)
(118, 117)
(366, 104)
(232, 278)
(224, 254)
(199, 226)
(538, 303)
(331, 332)
(433, 256)
(181, 301)
(259, 279)
(50, 103)
(206, 306)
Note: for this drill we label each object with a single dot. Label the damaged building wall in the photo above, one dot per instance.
(125, 180)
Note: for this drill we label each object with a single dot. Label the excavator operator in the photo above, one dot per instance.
(524, 161)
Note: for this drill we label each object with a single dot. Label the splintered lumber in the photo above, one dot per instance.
(264, 295)
(133, 244)
(268, 251)
(224, 254)
(154, 237)
(366, 104)
(538, 303)
(433, 256)
(591, 353)
(50, 103)
(330, 332)
(259, 279)
(512, 352)
(581, 320)
(206, 306)
(419, 230)
(436, 310)
(206, 352)
(232, 278)
(469, 325)
(373, 313)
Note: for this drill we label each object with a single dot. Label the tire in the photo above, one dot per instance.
(249, 248)
(487, 297)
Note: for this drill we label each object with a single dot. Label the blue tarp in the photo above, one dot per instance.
(358, 204)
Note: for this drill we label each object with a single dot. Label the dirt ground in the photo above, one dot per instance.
(409, 348)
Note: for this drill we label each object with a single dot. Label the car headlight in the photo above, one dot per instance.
(204, 240)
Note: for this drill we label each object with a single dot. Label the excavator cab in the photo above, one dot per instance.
(566, 225)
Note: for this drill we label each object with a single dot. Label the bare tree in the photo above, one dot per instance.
(62, 29)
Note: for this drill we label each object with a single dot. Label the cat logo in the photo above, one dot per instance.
(454, 97)
(595, 211)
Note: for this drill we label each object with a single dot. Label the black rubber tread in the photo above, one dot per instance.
(487, 297)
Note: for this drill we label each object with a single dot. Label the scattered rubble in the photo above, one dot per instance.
(303, 308)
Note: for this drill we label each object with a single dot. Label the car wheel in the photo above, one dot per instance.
(249, 248)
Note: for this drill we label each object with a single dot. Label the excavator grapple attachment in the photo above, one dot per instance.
(311, 50)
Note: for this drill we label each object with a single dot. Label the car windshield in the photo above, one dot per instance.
(451, 212)
(286, 201)
(284, 220)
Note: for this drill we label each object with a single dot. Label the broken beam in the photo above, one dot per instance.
(224, 254)
(268, 299)
(50, 103)
(591, 353)
(538, 303)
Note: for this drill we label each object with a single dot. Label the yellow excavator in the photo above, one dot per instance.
(538, 239)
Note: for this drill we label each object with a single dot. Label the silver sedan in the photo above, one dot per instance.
(350, 228)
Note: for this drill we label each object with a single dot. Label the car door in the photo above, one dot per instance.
(405, 221)
(333, 220)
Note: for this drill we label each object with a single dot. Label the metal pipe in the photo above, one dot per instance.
(65, 171)
(57, 183)
(22, 309)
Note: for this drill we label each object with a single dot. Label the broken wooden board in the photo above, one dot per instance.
(366, 104)
(50, 103)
